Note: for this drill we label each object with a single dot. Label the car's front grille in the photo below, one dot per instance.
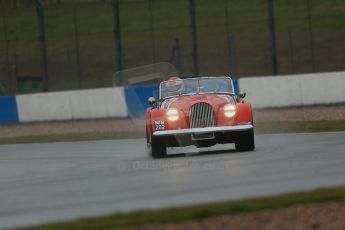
(201, 115)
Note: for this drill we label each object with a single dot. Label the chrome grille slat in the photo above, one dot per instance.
(201, 115)
(190, 115)
(195, 118)
(209, 121)
(197, 108)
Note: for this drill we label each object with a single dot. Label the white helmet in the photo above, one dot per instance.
(175, 86)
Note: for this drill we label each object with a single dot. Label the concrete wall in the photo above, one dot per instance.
(81, 104)
(44, 107)
(98, 103)
(262, 92)
(294, 90)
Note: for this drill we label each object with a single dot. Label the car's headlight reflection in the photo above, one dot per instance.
(172, 115)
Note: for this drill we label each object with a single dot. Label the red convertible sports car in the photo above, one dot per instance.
(200, 111)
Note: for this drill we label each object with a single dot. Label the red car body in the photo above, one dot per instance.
(200, 119)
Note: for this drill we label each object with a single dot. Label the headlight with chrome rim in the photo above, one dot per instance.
(172, 114)
(229, 110)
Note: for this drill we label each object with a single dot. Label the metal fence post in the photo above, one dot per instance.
(153, 42)
(229, 39)
(176, 55)
(291, 53)
(76, 43)
(41, 25)
(232, 47)
(194, 36)
(311, 37)
(272, 37)
(7, 53)
(117, 36)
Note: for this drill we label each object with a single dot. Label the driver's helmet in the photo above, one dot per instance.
(175, 86)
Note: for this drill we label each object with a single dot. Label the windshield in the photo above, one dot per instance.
(192, 86)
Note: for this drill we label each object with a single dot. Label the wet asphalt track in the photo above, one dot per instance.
(46, 182)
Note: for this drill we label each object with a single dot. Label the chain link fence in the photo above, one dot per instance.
(233, 38)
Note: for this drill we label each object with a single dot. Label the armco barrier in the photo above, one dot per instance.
(136, 99)
(8, 110)
(81, 104)
(295, 90)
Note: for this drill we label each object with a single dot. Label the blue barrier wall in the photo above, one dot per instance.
(8, 110)
(136, 99)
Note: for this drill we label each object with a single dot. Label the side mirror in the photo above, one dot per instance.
(242, 95)
(152, 101)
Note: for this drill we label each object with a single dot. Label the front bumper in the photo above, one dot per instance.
(202, 137)
(223, 129)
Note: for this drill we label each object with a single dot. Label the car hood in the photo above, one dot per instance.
(183, 103)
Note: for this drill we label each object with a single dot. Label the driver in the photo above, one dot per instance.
(175, 86)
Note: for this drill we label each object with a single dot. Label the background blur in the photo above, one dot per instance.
(80, 44)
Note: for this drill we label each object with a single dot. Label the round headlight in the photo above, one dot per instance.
(172, 115)
(229, 110)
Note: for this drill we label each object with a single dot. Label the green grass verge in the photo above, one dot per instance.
(199, 211)
(260, 128)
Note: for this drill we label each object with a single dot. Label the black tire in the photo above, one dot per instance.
(245, 141)
(156, 149)
(147, 135)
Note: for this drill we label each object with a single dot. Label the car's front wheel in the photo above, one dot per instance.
(245, 142)
(156, 149)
